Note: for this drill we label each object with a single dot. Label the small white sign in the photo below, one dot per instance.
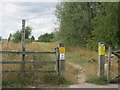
(101, 44)
(62, 56)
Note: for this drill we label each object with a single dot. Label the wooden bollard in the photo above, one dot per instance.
(61, 59)
(101, 59)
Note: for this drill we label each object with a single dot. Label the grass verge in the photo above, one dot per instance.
(99, 81)
(18, 83)
(55, 80)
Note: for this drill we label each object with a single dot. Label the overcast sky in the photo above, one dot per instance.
(38, 15)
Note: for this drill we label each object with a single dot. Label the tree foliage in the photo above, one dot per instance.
(45, 37)
(75, 22)
(10, 37)
(105, 26)
(87, 23)
(16, 37)
(0, 38)
(32, 38)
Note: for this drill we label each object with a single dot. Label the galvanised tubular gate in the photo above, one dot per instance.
(28, 62)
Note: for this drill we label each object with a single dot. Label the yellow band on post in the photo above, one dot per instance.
(61, 50)
(101, 50)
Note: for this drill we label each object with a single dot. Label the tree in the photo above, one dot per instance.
(86, 24)
(32, 38)
(10, 37)
(106, 26)
(0, 38)
(75, 22)
(118, 33)
(45, 37)
(17, 35)
(28, 31)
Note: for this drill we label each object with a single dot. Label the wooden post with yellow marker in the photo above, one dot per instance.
(61, 59)
(101, 59)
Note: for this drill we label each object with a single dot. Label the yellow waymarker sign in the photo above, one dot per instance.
(61, 50)
(101, 50)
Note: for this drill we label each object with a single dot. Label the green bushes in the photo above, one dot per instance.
(45, 37)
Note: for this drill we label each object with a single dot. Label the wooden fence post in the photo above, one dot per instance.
(57, 59)
(119, 72)
(109, 62)
(61, 59)
(23, 45)
(0, 65)
(101, 59)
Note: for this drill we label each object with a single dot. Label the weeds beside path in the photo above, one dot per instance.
(82, 77)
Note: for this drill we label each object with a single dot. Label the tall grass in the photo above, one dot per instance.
(89, 61)
(29, 79)
(74, 55)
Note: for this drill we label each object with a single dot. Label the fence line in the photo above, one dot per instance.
(60, 64)
(59, 52)
(15, 52)
(31, 71)
(28, 62)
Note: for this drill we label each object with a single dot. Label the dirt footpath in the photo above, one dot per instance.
(82, 78)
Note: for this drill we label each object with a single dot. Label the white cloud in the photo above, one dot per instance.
(41, 25)
(37, 15)
(32, 0)
(39, 21)
(61, 0)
